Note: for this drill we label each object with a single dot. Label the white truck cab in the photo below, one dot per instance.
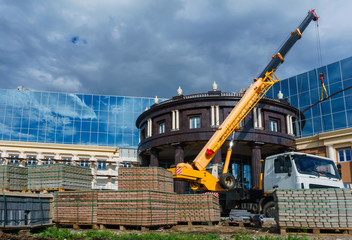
(294, 170)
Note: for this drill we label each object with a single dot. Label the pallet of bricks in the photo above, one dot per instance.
(130, 206)
(145, 178)
(13, 178)
(145, 198)
(318, 210)
(59, 177)
(145, 208)
(76, 208)
(195, 208)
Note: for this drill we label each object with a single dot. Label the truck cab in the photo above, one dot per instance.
(299, 171)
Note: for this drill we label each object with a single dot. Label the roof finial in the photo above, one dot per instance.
(156, 100)
(215, 86)
(179, 91)
(280, 95)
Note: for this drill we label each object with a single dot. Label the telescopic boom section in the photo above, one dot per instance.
(195, 173)
(252, 95)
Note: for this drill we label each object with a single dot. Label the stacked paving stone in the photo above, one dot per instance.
(13, 177)
(198, 208)
(144, 178)
(319, 208)
(24, 209)
(145, 198)
(137, 208)
(79, 207)
(59, 176)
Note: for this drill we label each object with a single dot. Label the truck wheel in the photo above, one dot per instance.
(227, 181)
(269, 210)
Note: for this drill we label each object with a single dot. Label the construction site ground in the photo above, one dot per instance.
(224, 232)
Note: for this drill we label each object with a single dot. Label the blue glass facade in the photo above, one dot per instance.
(305, 89)
(66, 118)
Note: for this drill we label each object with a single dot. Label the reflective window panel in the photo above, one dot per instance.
(68, 118)
(305, 92)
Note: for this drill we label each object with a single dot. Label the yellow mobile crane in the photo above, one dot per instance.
(195, 173)
(282, 171)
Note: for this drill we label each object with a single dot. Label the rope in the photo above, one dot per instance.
(320, 59)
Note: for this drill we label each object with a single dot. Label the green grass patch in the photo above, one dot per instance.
(62, 234)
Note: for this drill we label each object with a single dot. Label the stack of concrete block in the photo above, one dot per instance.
(137, 208)
(25, 209)
(198, 208)
(144, 178)
(59, 176)
(13, 177)
(318, 208)
(79, 207)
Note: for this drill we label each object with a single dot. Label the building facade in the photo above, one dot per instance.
(327, 128)
(176, 130)
(94, 131)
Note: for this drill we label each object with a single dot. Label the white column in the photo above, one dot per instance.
(4, 161)
(331, 152)
(217, 116)
(255, 118)
(57, 157)
(260, 123)
(173, 120)
(212, 117)
(177, 120)
(39, 158)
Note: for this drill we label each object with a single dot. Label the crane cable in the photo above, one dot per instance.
(320, 62)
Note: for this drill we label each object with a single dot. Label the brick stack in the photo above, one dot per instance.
(144, 178)
(137, 208)
(13, 177)
(318, 208)
(79, 207)
(198, 208)
(59, 176)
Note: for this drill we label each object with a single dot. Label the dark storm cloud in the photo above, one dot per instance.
(148, 48)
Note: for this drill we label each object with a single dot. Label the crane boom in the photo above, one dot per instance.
(195, 172)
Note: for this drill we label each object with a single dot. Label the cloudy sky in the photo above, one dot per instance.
(150, 47)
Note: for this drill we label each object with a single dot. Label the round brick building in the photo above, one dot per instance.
(176, 130)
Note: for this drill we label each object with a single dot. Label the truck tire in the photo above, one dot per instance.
(269, 210)
(227, 181)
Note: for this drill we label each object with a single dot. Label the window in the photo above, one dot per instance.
(101, 165)
(84, 163)
(31, 160)
(344, 155)
(49, 160)
(274, 125)
(66, 160)
(194, 122)
(13, 160)
(162, 127)
(282, 165)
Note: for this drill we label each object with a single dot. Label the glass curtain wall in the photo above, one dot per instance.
(304, 90)
(66, 118)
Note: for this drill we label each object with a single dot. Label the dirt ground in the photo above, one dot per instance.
(222, 231)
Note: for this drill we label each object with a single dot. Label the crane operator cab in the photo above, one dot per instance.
(299, 171)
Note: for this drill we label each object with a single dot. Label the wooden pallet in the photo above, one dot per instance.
(78, 225)
(189, 223)
(286, 230)
(51, 190)
(238, 223)
(13, 190)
